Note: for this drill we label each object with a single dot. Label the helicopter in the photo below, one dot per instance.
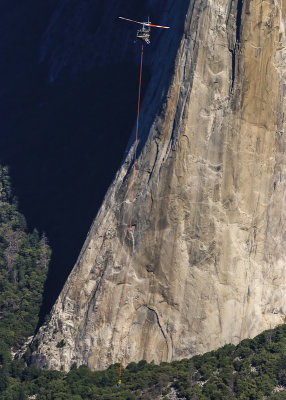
(144, 33)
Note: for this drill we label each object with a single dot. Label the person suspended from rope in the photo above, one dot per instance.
(144, 33)
(119, 383)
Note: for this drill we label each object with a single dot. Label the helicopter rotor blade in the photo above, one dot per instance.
(144, 23)
(158, 26)
(131, 20)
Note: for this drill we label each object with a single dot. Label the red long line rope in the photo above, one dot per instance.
(131, 213)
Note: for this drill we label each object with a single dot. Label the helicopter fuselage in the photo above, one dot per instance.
(144, 34)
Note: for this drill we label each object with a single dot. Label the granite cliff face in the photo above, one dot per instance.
(208, 241)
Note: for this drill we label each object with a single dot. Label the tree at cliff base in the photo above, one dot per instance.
(24, 259)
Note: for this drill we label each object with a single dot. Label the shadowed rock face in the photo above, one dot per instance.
(208, 240)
